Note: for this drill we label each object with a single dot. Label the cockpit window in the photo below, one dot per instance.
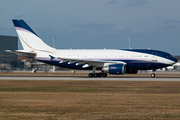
(167, 56)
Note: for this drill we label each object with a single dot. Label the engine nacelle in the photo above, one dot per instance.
(115, 69)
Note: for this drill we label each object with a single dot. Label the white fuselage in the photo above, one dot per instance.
(103, 54)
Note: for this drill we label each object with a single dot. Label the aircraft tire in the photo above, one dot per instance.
(153, 75)
(104, 74)
(99, 74)
(91, 75)
(95, 75)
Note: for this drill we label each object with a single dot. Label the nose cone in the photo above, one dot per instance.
(174, 59)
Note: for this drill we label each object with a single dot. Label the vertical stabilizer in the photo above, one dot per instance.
(29, 39)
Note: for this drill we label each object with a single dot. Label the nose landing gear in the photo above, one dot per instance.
(153, 73)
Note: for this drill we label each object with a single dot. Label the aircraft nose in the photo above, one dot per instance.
(175, 60)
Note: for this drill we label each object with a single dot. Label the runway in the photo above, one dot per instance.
(87, 78)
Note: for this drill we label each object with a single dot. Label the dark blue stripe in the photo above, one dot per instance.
(22, 24)
(148, 51)
(136, 65)
(154, 52)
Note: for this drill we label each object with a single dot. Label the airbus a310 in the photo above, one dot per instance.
(112, 61)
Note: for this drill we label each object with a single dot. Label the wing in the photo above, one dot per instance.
(85, 62)
(88, 63)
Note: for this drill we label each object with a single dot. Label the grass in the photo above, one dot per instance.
(87, 100)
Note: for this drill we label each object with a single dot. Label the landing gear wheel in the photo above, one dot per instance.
(153, 75)
(95, 75)
(99, 74)
(104, 74)
(91, 75)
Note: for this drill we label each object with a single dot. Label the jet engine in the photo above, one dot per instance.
(115, 69)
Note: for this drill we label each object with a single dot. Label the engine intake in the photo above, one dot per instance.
(115, 69)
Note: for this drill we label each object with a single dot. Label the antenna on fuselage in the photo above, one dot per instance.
(130, 43)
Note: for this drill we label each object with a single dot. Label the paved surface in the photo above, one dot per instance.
(87, 78)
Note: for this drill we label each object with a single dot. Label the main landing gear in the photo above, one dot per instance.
(98, 75)
(93, 74)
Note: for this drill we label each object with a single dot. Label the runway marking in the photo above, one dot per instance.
(87, 78)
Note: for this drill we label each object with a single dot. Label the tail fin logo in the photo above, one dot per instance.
(20, 24)
(29, 39)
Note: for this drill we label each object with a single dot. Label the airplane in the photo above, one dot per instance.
(112, 61)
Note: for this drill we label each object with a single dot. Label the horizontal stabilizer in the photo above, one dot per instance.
(23, 53)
